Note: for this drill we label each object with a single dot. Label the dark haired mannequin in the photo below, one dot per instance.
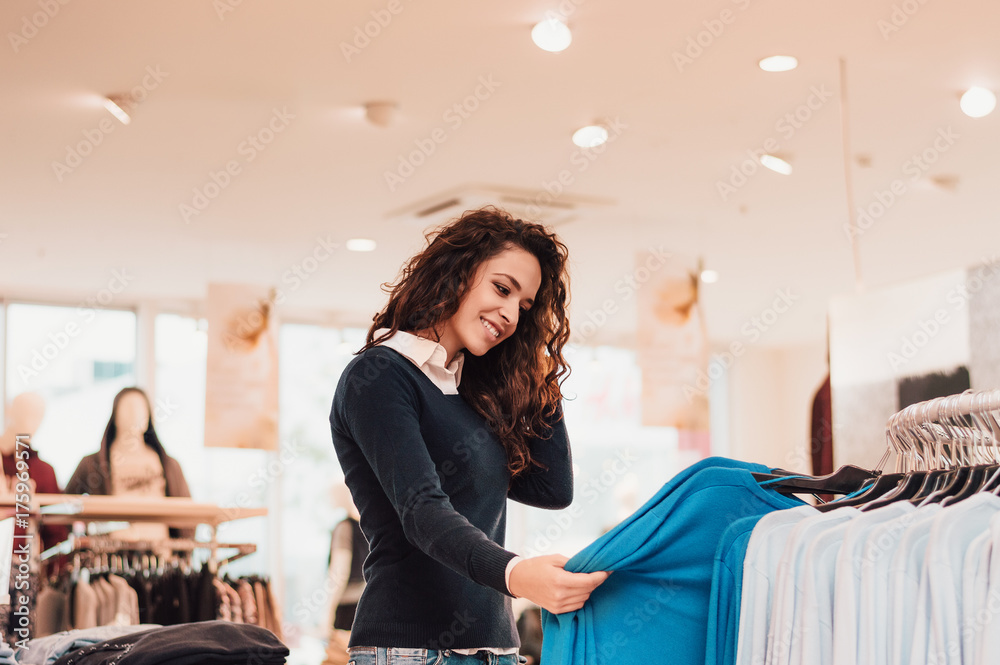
(132, 462)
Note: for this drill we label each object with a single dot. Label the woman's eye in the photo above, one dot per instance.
(502, 289)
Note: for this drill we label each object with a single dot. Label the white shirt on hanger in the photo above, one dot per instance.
(873, 598)
(847, 594)
(760, 566)
(953, 529)
(988, 635)
(975, 570)
(814, 617)
(782, 637)
(905, 593)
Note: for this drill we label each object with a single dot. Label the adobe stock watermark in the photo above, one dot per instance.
(77, 152)
(751, 331)
(625, 287)
(454, 117)
(927, 329)
(32, 25)
(249, 149)
(580, 160)
(899, 16)
(914, 168)
(365, 34)
(86, 312)
(261, 478)
(785, 126)
(592, 491)
(712, 29)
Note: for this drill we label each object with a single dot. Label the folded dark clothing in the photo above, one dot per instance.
(201, 643)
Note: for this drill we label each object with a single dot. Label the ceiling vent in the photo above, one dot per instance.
(529, 205)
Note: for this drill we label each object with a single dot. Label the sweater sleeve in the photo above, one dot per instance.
(551, 484)
(378, 410)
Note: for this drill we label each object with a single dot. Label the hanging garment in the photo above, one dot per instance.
(50, 612)
(987, 624)
(841, 636)
(85, 602)
(975, 594)
(782, 636)
(760, 568)
(873, 604)
(815, 589)
(727, 584)
(952, 530)
(658, 594)
(249, 604)
(904, 584)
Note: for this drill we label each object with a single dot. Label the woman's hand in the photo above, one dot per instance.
(543, 581)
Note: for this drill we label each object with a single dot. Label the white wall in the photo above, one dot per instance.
(770, 404)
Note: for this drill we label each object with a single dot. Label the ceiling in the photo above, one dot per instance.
(213, 75)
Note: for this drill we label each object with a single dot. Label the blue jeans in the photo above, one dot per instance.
(400, 656)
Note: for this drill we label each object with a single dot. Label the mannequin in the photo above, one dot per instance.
(132, 462)
(344, 577)
(24, 416)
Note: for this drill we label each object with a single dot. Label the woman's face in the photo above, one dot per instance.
(132, 415)
(489, 311)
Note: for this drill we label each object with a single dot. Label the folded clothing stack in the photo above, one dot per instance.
(204, 643)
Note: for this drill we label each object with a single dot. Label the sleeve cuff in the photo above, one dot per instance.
(489, 564)
(510, 566)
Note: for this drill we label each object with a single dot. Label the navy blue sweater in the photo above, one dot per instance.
(430, 480)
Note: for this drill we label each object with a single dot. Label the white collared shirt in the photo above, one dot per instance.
(430, 357)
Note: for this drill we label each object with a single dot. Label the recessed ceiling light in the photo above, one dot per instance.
(709, 276)
(778, 63)
(111, 104)
(551, 35)
(361, 245)
(776, 164)
(590, 136)
(978, 102)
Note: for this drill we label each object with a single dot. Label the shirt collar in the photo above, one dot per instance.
(423, 352)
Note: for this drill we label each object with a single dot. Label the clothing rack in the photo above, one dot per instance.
(171, 511)
(102, 545)
(946, 432)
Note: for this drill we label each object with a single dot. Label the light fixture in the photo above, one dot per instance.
(978, 102)
(361, 245)
(776, 164)
(590, 136)
(113, 103)
(709, 276)
(381, 114)
(551, 35)
(778, 63)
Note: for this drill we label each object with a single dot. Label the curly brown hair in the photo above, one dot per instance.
(516, 385)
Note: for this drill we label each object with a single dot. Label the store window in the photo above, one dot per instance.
(312, 360)
(227, 477)
(618, 464)
(77, 359)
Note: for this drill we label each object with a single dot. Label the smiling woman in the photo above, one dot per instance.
(452, 407)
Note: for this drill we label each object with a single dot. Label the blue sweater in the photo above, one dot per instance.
(654, 607)
(430, 480)
(727, 590)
